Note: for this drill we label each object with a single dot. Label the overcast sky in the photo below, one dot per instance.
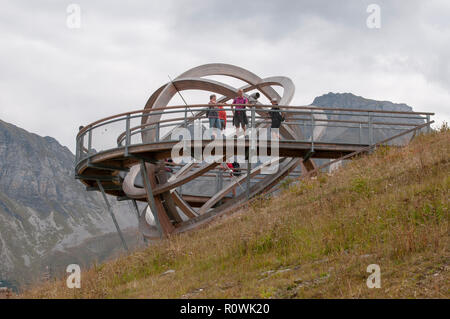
(54, 78)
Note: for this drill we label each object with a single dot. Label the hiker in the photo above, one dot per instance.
(276, 118)
(222, 118)
(240, 117)
(83, 148)
(168, 162)
(234, 170)
(212, 113)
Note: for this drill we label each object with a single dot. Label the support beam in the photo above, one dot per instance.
(112, 215)
(106, 178)
(169, 204)
(183, 205)
(150, 198)
(308, 155)
(159, 212)
(248, 178)
(213, 200)
(109, 167)
(108, 188)
(136, 208)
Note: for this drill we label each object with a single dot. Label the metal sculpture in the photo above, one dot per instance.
(190, 80)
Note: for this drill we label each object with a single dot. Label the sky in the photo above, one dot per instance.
(54, 77)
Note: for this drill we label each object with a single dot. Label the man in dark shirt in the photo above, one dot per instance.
(212, 113)
(277, 118)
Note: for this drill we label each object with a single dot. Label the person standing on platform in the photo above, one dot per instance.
(213, 114)
(239, 116)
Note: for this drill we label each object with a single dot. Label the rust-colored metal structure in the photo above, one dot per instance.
(131, 158)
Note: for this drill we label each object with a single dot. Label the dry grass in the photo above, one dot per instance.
(314, 240)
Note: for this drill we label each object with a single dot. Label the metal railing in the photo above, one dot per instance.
(131, 128)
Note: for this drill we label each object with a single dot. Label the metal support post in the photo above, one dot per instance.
(251, 150)
(157, 132)
(77, 150)
(252, 137)
(220, 183)
(136, 208)
(253, 117)
(217, 181)
(249, 167)
(360, 133)
(312, 132)
(89, 145)
(220, 180)
(127, 134)
(112, 215)
(138, 215)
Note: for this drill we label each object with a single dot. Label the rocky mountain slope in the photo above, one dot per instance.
(43, 210)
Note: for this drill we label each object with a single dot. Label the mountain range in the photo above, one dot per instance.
(354, 135)
(44, 211)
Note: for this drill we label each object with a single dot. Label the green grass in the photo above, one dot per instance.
(314, 240)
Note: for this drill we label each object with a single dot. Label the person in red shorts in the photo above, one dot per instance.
(222, 118)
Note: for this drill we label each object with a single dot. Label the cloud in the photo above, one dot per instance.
(54, 79)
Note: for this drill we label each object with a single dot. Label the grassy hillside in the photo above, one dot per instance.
(315, 240)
